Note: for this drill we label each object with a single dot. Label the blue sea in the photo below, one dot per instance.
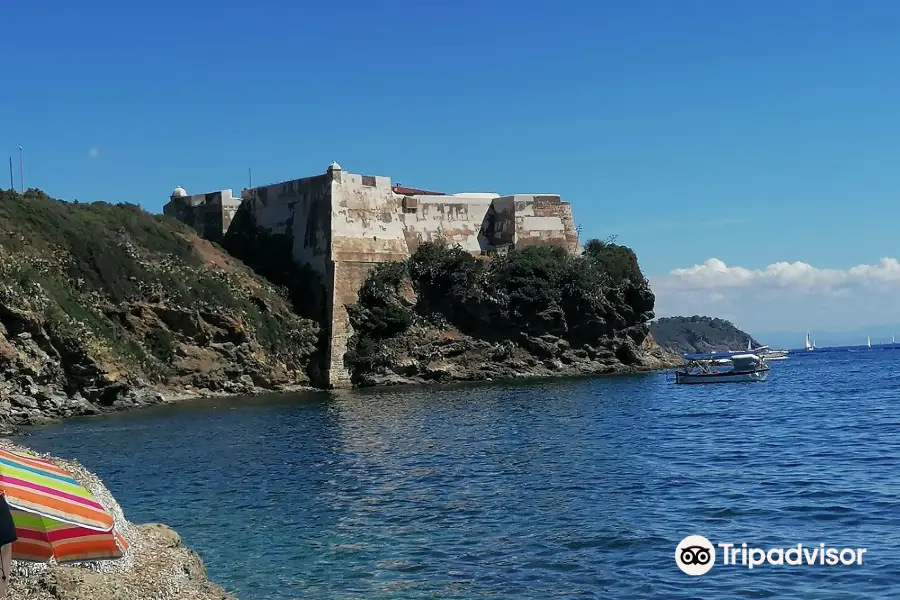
(568, 489)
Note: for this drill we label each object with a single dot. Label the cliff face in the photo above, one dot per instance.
(445, 315)
(432, 353)
(104, 306)
(689, 335)
(157, 564)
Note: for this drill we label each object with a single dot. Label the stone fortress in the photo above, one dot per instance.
(341, 224)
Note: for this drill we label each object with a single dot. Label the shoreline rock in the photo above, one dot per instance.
(156, 566)
(430, 356)
(19, 410)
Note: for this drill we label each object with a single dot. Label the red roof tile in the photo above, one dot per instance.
(408, 191)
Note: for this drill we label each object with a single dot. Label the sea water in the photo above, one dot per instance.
(570, 489)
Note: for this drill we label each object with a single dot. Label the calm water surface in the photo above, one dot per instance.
(571, 489)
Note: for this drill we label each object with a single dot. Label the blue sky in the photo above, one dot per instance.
(748, 132)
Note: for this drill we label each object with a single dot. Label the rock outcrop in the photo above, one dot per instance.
(430, 354)
(157, 565)
(445, 315)
(105, 307)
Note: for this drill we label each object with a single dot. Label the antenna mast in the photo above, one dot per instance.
(21, 171)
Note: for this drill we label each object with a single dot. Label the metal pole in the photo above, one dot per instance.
(12, 183)
(21, 170)
(250, 175)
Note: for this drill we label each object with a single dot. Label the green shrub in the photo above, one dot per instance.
(160, 343)
(619, 262)
(536, 290)
(380, 312)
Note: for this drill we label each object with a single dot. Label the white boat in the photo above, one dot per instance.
(766, 353)
(746, 368)
(809, 345)
(869, 341)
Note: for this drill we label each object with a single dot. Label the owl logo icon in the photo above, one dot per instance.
(695, 555)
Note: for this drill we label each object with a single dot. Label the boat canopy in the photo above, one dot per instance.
(745, 362)
(707, 355)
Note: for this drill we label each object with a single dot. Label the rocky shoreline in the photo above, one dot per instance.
(429, 355)
(157, 564)
(21, 410)
(424, 357)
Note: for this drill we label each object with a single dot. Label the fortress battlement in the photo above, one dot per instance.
(341, 224)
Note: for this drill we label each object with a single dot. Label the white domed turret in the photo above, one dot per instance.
(179, 192)
(334, 167)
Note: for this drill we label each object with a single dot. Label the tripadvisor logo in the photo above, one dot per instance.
(696, 555)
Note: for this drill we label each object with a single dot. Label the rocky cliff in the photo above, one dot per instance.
(107, 306)
(445, 315)
(689, 335)
(157, 564)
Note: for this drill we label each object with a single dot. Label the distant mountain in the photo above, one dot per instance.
(698, 334)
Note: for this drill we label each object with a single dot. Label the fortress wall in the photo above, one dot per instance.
(300, 209)
(180, 209)
(455, 219)
(366, 229)
(209, 214)
(366, 222)
(543, 220)
(503, 221)
(343, 224)
(230, 205)
(571, 231)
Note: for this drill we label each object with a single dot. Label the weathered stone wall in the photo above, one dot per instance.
(460, 219)
(210, 214)
(544, 220)
(501, 230)
(366, 229)
(366, 223)
(300, 209)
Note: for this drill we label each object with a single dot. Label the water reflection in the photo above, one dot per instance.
(563, 489)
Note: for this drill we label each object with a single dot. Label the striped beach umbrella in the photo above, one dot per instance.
(55, 516)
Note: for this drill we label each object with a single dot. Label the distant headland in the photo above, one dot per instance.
(689, 335)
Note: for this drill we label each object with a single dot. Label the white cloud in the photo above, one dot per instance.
(784, 295)
(94, 152)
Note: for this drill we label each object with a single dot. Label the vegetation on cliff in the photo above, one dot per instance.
(98, 298)
(687, 335)
(539, 303)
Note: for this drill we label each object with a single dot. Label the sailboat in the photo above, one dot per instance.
(809, 345)
(869, 341)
